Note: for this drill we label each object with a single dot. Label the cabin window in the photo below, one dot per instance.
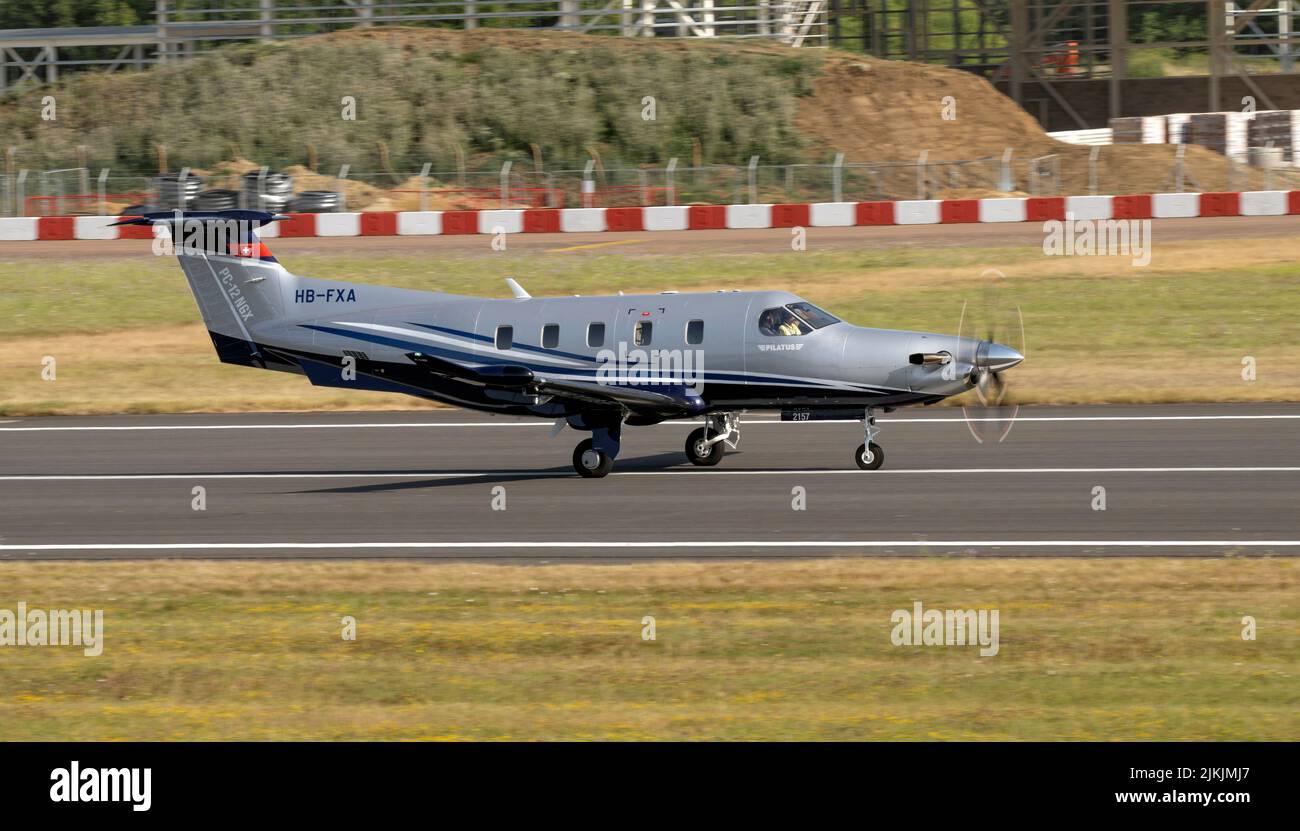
(642, 332)
(550, 336)
(505, 337)
(595, 334)
(695, 332)
(781, 322)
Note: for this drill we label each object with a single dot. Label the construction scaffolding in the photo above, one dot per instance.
(178, 32)
(1052, 43)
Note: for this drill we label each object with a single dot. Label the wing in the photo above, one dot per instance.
(665, 401)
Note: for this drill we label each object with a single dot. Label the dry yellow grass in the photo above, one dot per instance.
(1089, 649)
(167, 369)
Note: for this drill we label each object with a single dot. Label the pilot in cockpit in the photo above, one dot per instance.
(779, 322)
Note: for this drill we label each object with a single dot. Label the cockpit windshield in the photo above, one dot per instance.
(813, 316)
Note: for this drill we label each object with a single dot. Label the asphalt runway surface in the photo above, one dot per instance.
(1179, 480)
(739, 241)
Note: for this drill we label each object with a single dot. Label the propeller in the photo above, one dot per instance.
(993, 341)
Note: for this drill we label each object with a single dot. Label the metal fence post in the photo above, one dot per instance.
(837, 189)
(261, 187)
(424, 186)
(10, 154)
(588, 184)
(1092, 168)
(920, 174)
(505, 184)
(343, 197)
(670, 198)
(548, 181)
(1006, 182)
(753, 180)
(1178, 168)
(103, 189)
(20, 194)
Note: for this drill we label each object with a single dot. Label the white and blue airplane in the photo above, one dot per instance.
(592, 363)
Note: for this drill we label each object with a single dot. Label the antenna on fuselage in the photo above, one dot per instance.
(517, 289)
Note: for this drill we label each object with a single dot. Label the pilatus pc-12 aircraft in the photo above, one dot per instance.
(593, 363)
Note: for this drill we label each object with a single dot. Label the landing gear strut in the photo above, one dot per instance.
(869, 456)
(593, 458)
(706, 445)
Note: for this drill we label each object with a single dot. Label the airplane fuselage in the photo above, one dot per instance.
(712, 343)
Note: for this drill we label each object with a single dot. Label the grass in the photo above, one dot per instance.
(127, 338)
(1122, 649)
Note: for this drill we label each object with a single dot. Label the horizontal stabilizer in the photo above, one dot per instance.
(254, 218)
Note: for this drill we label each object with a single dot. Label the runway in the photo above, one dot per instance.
(732, 241)
(1185, 480)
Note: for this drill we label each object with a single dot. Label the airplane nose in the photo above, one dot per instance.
(997, 357)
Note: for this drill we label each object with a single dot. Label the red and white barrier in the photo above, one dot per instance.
(705, 217)
(18, 228)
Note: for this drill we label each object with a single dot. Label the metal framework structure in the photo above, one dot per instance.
(1044, 43)
(178, 32)
(1054, 42)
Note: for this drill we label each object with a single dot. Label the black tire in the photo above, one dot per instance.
(710, 456)
(604, 464)
(877, 457)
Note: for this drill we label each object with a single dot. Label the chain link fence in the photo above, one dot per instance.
(82, 191)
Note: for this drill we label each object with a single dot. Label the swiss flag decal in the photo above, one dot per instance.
(249, 249)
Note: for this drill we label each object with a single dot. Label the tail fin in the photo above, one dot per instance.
(235, 279)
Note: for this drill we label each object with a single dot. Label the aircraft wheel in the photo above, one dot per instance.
(699, 453)
(877, 457)
(590, 462)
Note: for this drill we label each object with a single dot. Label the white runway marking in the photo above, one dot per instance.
(407, 425)
(94, 477)
(589, 544)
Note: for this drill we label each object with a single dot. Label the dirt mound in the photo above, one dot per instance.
(877, 111)
(357, 195)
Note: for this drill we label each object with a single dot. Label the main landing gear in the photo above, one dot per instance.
(869, 456)
(593, 458)
(706, 445)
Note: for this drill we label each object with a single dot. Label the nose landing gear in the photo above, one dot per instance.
(869, 455)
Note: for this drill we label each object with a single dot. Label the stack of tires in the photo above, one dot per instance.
(171, 192)
(217, 199)
(268, 192)
(317, 202)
